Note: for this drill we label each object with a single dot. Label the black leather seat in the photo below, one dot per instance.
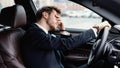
(15, 18)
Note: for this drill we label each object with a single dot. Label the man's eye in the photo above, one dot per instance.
(55, 15)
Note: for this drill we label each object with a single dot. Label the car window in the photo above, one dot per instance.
(6, 3)
(73, 15)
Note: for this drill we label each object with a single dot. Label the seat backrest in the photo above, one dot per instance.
(15, 18)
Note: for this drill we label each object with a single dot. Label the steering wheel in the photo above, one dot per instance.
(98, 48)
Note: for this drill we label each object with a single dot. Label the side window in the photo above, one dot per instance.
(73, 15)
(0, 6)
(6, 3)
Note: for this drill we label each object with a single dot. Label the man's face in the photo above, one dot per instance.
(53, 20)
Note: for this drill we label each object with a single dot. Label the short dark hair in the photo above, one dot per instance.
(47, 9)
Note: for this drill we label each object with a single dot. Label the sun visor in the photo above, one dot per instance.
(111, 5)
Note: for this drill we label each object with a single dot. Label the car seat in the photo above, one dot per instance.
(13, 17)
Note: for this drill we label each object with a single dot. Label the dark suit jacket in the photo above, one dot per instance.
(39, 50)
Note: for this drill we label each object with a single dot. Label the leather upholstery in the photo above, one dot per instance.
(14, 17)
(9, 48)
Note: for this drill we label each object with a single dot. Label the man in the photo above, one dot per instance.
(40, 49)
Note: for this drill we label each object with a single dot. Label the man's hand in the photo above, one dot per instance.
(101, 26)
(61, 26)
(62, 29)
(104, 24)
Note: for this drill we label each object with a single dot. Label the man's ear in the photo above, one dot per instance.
(45, 15)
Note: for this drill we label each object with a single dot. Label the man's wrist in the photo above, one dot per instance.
(97, 28)
(65, 33)
(62, 30)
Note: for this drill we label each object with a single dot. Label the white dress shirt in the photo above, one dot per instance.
(42, 28)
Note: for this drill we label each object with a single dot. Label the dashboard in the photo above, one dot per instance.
(82, 53)
(114, 36)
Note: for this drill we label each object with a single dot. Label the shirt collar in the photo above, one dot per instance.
(42, 28)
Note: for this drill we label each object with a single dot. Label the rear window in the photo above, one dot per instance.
(6, 3)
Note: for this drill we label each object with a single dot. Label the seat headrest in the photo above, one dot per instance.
(13, 16)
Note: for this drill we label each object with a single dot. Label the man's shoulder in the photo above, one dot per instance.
(33, 27)
(33, 31)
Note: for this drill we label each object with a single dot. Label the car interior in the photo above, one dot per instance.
(10, 37)
(14, 20)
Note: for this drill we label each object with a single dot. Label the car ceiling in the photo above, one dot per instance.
(111, 5)
(109, 9)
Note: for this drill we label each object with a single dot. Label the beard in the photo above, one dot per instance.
(52, 27)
